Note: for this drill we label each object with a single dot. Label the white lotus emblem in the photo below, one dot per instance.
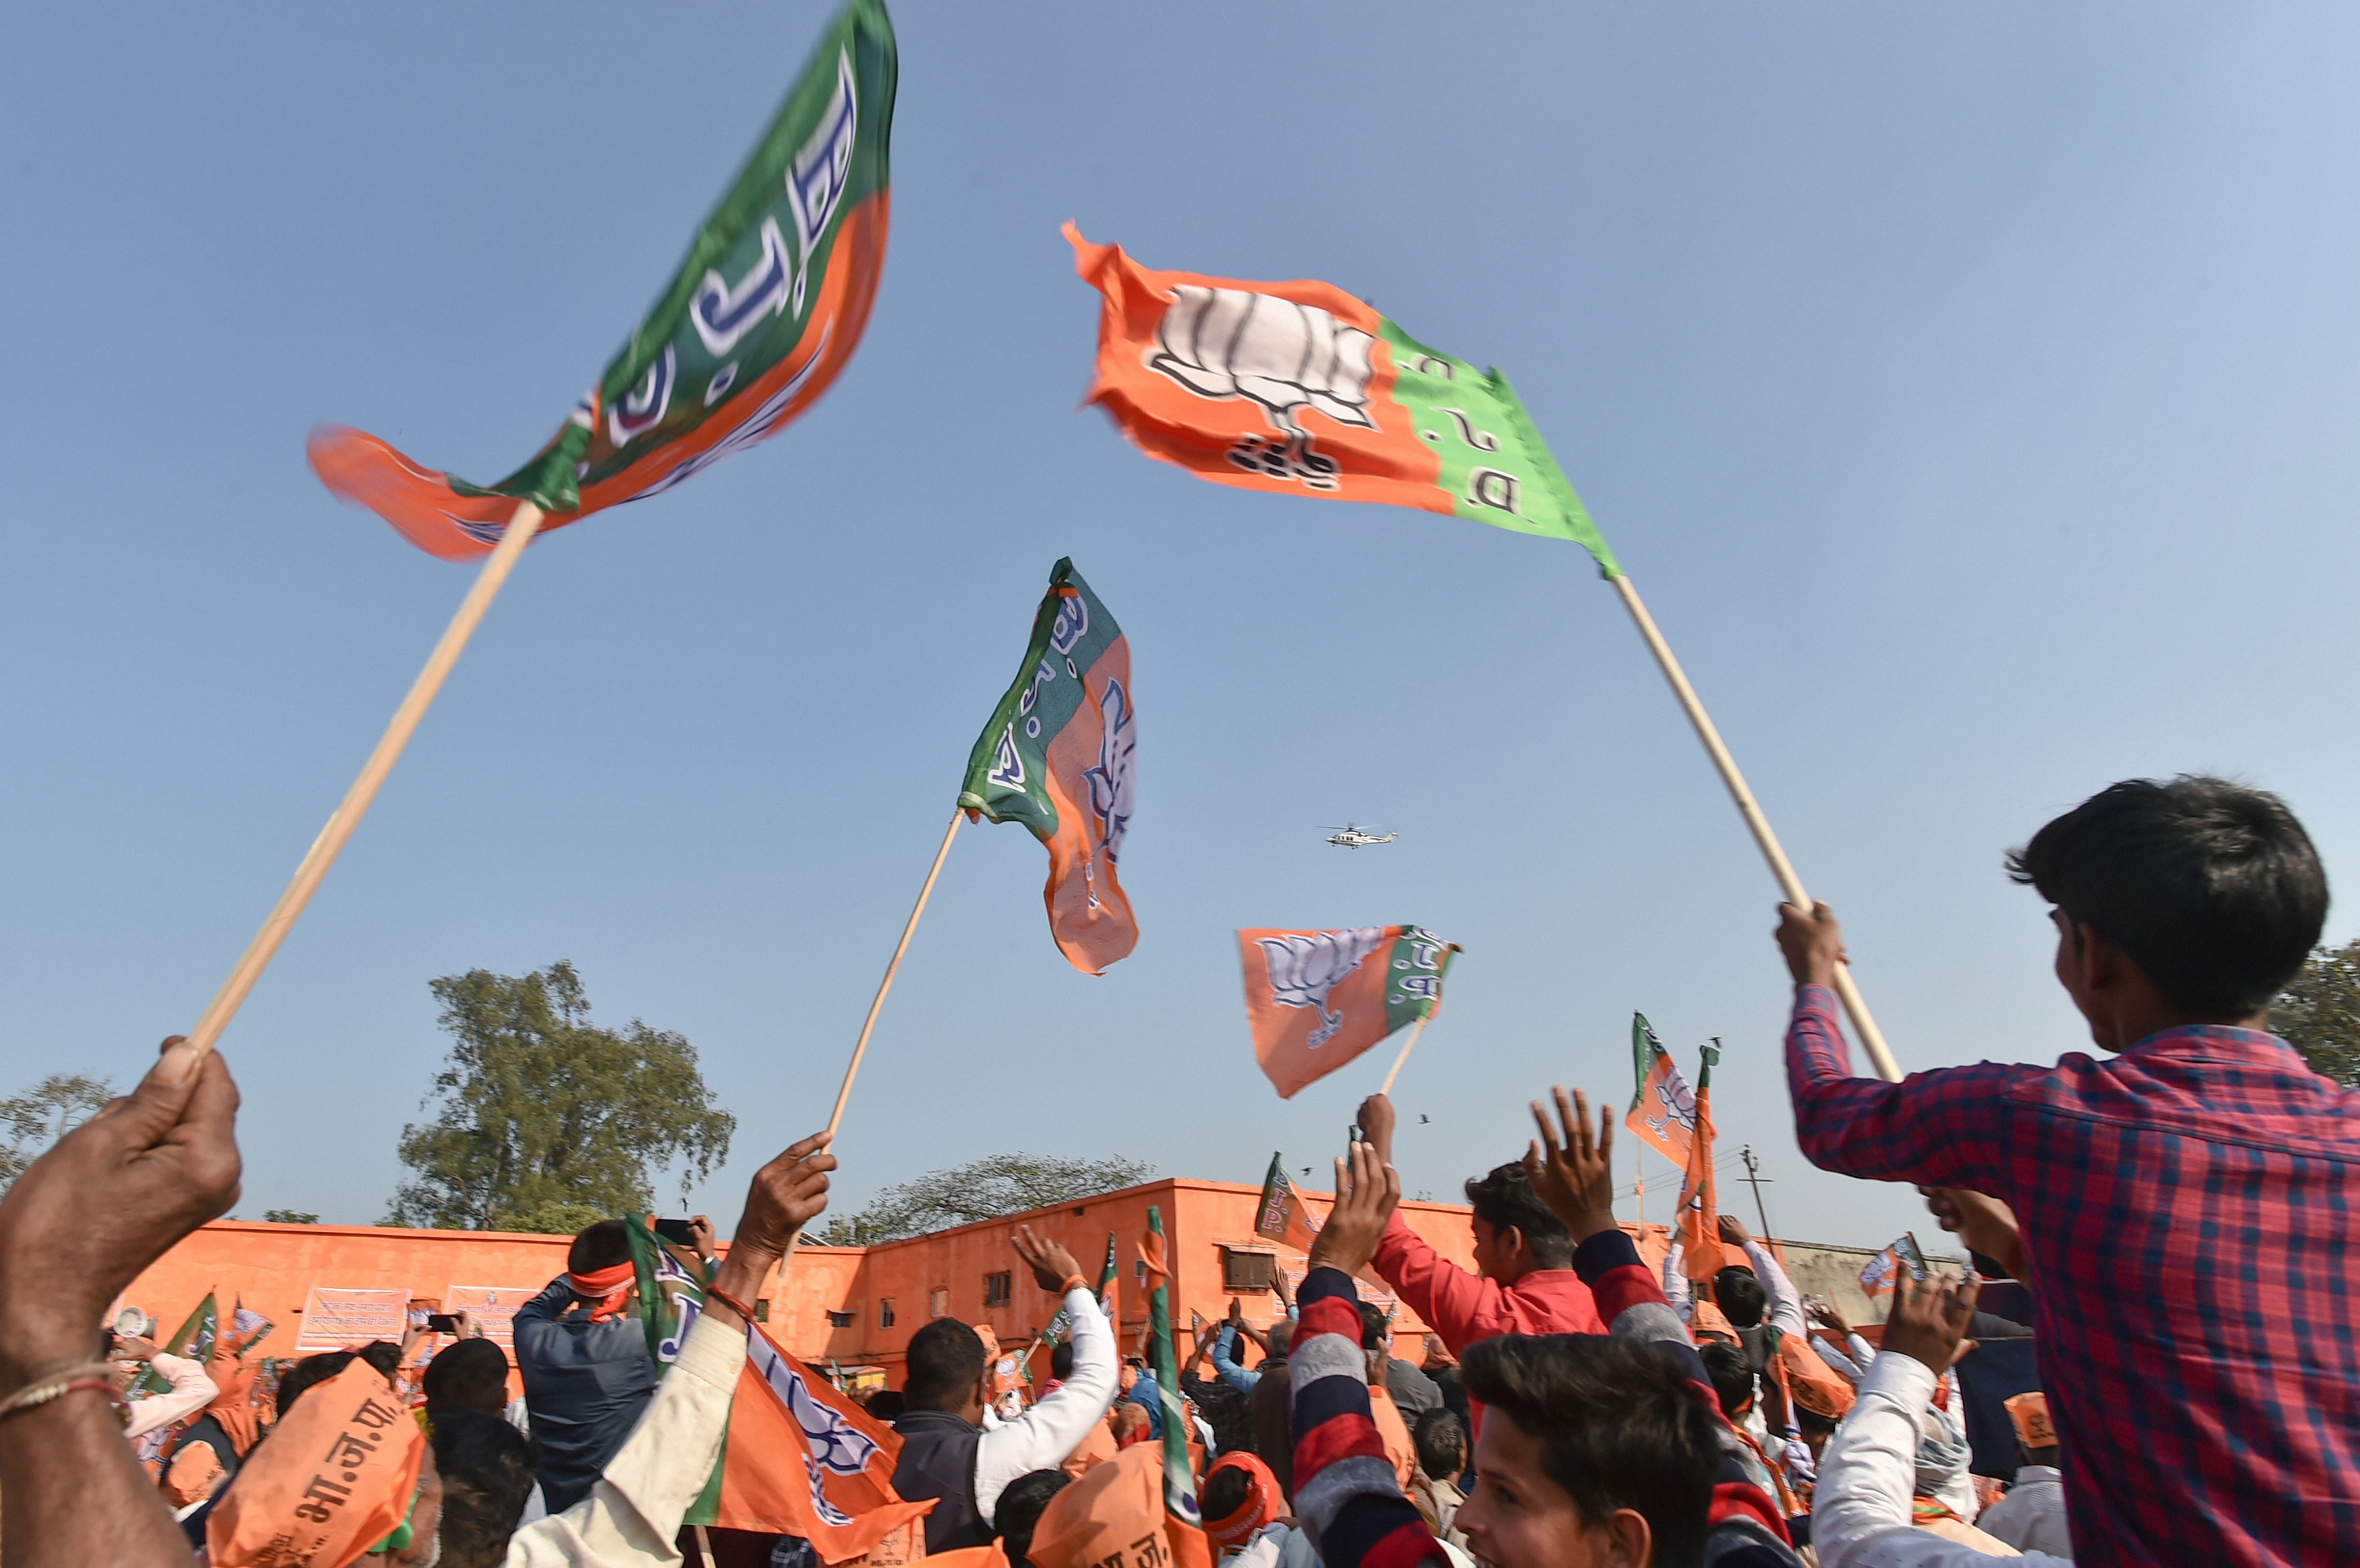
(1110, 780)
(1678, 1106)
(1305, 968)
(1228, 343)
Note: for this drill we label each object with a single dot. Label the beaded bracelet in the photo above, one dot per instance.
(94, 1375)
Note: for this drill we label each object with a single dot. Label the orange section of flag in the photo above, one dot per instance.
(1314, 999)
(1277, 386)
(1088, 779)
(804, 1460)
(1656, 1118)
(1699, 1199)
(335, 1479)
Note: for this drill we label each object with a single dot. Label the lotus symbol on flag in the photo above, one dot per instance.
(1111, 787)
(1229, 342)
(1677, 1104)
(1305, 968)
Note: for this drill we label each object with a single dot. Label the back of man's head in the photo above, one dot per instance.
(1617, 1425)
(1061, 1360)
(487, 1469)
(945, 1360)
(1373, 1327)
(1738, 1294)
(310, 1370)
(1281, 1335)
(383, 1355)
(471, 1375)
(1732, 1374)
(886, 1405)
(1020, 1505)
(603, 1245)
(1504, 1198)
(2212, 890)
(1441, 1442)
(1226, 1491)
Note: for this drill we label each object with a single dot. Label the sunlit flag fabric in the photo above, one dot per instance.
(1282, 1215)
(764, 311)
(799, 1457)
(1058, 756)
(1299, 388)
(1883, 1272)
(1316, 999)
(1663, 1107)
(1701, 1242)
(1184, 1522)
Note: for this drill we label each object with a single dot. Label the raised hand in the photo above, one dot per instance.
(787, 1194)
(700, 1232)
(1377, 1120)
(1930, 1318)
(1051, 1264)
(1985, 1224)
(1570, 1170)
(1734, 1231)
(1367, 1193)
(1812, 943)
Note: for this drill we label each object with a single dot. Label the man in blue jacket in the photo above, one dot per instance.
(587, 1370)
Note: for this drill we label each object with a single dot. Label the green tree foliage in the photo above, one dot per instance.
(2318, 1013)
(43, 1113)
(544, 1121)
(290, 1216)
(981, 1189)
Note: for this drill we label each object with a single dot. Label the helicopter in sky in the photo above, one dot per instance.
(1352, 835)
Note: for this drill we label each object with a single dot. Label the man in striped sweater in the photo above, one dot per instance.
(1612, 1451)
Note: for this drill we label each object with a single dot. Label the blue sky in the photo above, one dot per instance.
(1968, 388)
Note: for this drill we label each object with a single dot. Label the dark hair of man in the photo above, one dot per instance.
(1732, 1374)
(603, 1245)
(383, 1355)
(1021, 1506)
(1739, 1296)
(886, 1404)
(1373, 1327)
(1504, 1198)
(1061, 1360)
(1440, 1439)
(471, 1375)
(1618, 1429)
(486, 1469)
(1810, 1422)
(1225, 1493)
(944, 1357)
(2212, 890)
(310, 1370)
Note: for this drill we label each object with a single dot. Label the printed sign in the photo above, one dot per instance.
(337, 1319)
(493, 1307)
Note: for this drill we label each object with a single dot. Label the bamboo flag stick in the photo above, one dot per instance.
(1871, 1037)
(522, 526)
(1408, 1045)
(860, 1047)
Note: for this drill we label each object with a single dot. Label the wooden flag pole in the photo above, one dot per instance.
(1871, 1037)
(1408, 1045)
(860, 1045)
(525, 522)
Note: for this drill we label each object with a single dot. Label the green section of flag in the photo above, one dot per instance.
(672, 1297)
(1414, 970)
(1008, 771)
(193, 1339)
(1495, 463)
(1707, 1055)
(1645, 1049)
(740, 301)
(1179, 1475)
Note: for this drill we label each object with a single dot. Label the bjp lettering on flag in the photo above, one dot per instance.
(804, 1460)
(1282, 1215)
(1316, 999)
(764, 310)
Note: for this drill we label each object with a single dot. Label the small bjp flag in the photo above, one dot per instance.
(1319, 999)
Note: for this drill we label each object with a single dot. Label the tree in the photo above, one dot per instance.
(546, 1122)
(290, 1216)
(981, 1189)
(43, 1113)
(2318, 1013)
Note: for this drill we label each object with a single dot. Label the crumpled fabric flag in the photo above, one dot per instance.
(1663, 1107)
(1301, 389)
(765, 310)
(1184, 1524)
(1316, 999)
(1700, 1208)
(335, 1478)
(1058, 756)
(1281, 1215)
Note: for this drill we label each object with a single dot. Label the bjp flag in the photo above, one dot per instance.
(1699, 1211)
(1316, 999)
(1300, 388)
(1663, 1107)
(804, 1459)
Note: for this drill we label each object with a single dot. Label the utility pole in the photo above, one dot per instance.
(1755, 1179)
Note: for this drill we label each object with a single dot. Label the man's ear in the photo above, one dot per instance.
(1629, 1542)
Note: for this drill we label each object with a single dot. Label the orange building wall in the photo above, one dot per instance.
(271, 1267)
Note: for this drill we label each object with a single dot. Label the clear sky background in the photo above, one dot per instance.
(1971, 389)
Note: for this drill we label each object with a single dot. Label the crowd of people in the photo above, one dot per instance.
(2175, 1223)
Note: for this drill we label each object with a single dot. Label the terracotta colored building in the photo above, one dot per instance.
(855, 1306)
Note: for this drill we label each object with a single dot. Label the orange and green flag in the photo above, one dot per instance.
(1282, 1215)
(1301, 389)
(1057, 757)
(763, 312)
(1699, 1211)
(1316, 999)
(1184, 1523)
(1663, 1107)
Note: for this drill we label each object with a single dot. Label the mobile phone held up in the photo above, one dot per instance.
(677, 1232)
(442, 1323)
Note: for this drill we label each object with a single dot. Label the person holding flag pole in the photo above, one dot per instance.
(1300, 388)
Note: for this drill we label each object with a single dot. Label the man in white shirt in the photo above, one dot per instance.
(1861, 1514)
(2031, 1518)
(945, 1455)
(188, 1388)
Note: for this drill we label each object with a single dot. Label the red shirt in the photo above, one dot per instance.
(1464, 1308)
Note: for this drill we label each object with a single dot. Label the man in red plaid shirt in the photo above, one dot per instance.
(2190, 1209)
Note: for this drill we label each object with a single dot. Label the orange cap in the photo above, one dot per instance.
(2030, 1414)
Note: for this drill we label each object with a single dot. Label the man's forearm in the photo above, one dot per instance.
(75, 1495)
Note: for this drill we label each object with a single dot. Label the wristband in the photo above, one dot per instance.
(732, 1302)
(1073, 1282)
(96, 1375)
